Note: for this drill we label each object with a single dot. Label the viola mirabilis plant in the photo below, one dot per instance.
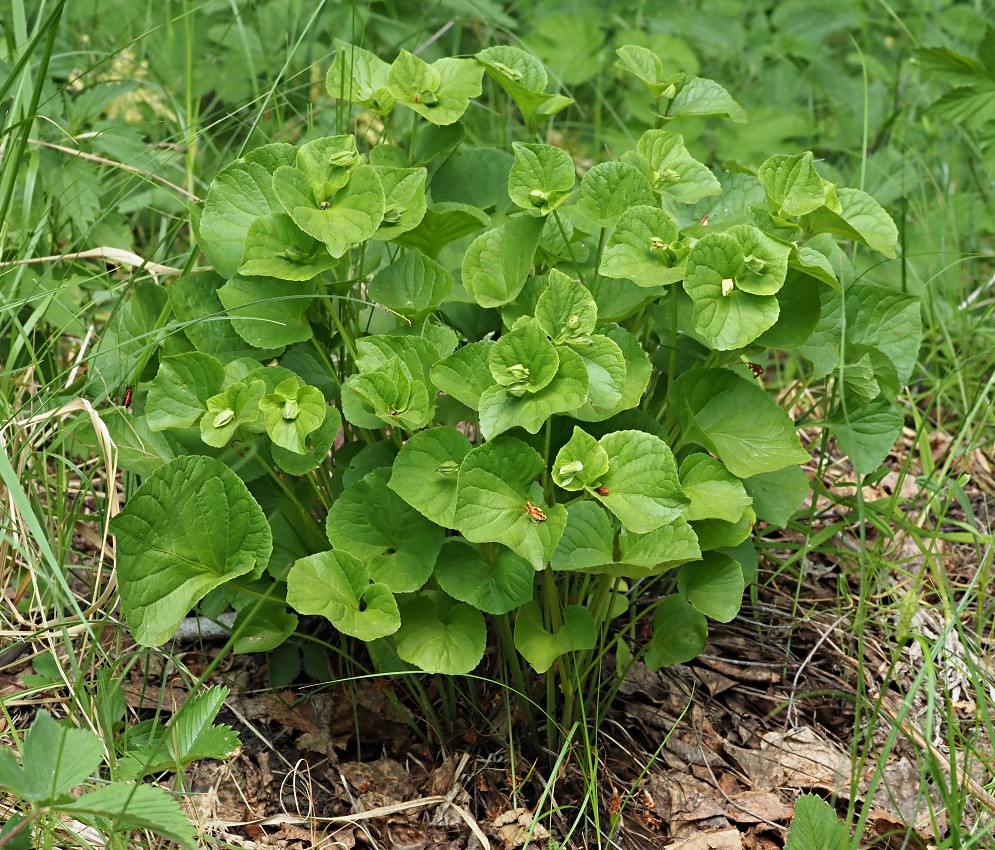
(435, 392)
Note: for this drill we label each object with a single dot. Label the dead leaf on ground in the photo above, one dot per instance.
(680, 798)
(800, 758)
(725, 839)
(512, 828)
(758, 807)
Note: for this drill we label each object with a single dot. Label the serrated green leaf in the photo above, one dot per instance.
(646, 66)
(777, 495)
(887, 320)
(523, 77)
(237, 407)
(440, 635)
(816, 827)
(674, 172)
(349, 216)
(425, 474)
(495, 581)
(725, 315)
(714, 586)
(241, 193)
(404, 200)
(700, 97)
(179, 392)
(317, 444)
(641, 486)
(861, 218)
(541, 178)
(292, 412)
(190, 527)
(494, 498)
(608, 189)
(657, 551)
(358, 76)
(266, 312)
(638, 371)
(765, 259)
(587, 541)
(55, 758)
(497, 263)
(792, 184)
(135, 807)
(439, 92)
(565, 310)
(387, 394)
(580, 463)
(523, 360)
(465, 374)
(540, 647)
(501, 408)
(715, 493)
(275, 247)
(397, 544)
(337, 586)
(442, 223)
(736, 420)
(867, 432)
(645, 247)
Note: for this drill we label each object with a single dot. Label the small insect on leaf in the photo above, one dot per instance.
(602, 491)
(127, 398)
(535, 513)
(756, 369)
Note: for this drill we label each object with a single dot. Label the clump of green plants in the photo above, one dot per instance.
(472, 402)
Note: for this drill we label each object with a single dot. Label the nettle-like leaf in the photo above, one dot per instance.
(358, 76)
(493, 580)
(327, 163)
(524, 78)
(606, 371)
(439, 92)
(179, 392)
(866, 432)
(416, 353)
(580, 463)
(239, 406)
(714, 586)
(276, 247)
(566, 311)
(680, 633)
(190, 527)
(673, 172)
(608, 189)
(497, 263)
(502, 407)
(292, 412)
(241, 193)
(725, 315)
(497, 501)
(540, 647)
(337, 586)
(340, 218)
(396, 543)
(425, 474)
(641, 486)
(645, 247)
(792, 184)
(737, 421)
(541, 178)
(266, 312)
(860, 218)
(413, 285)
(887, 320)
(715, 493)
(465, 374)
(440, 635)
(777, 495)
(404, 200)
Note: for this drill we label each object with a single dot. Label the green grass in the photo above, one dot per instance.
(155, 104)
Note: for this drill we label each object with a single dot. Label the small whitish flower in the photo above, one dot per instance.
(728, 285)
(755, 264)
(291, 410)
(568, 471)
(343, 159)
(538, 197)
(223, 418)
(519, 372)
(657, 244)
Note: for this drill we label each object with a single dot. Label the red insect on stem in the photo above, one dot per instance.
(127, 398)
(602, 491)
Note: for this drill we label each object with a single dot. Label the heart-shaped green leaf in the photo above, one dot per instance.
(440, 635)
(465, 374)
(292, 412)
(439, 92)
(358, 76)
(713, 586)
(413, 286)
(540, 647)
(524, 78)
(580, 463)
(715, 493)
(404, 200)
(179, 392)
(317, 445)
(645, 248)
(565, 310)
(541, 178)
(190, 527)
(497, 502)
(425, 473)
(680, 634)
(792, 184)
(608, 189)
(396, 543)
(494, 581)
(239, 406)
(337, 586)
(266, 312)
(276, 247)
(588, 540)
(497, 263)
(674, 172)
